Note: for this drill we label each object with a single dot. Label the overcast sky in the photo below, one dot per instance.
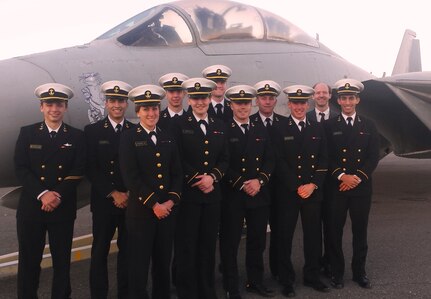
(368, 33)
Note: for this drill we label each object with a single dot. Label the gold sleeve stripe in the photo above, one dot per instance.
(174, 193)
(74, 177)
(221, 174)
(322, 169)
(363, 173)
(336, 170)
(267, 177)
(236, 181)
(193, 177)
(148, 198)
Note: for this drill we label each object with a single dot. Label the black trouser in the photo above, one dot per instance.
(31, 241)
(359, 209)
(195, 245)
(289, 208)
(273, 239)
(233, 214)
(150, 239)
(104, 226)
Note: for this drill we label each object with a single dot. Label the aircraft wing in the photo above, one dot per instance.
(401, 107)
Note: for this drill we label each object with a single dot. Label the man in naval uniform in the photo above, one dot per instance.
(151, 168)
(108, 193)
(266, 100)
(49, 163)
(303, 162)
(353, 144)
(175, 94)
(245, 195)
(220, 106)
(203, 148)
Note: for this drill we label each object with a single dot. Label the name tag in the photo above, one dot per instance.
(140, 143)
(289, 138)
(233, 140)
(188, 132)
(36, 146)
(337, 133)
(103, 141)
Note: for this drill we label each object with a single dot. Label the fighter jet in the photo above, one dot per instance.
(187, 36)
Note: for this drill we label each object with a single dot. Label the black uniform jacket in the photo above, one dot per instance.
(227, 111)
(303, 156)
(355, 153)
(103, 168)
(151, 173)
(277, 121)
(165, 120)
(56, 164)
(251, 157)
(201, 154)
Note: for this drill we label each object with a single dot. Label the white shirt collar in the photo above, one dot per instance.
(56, 130)
(297, 120)
(326, 112)
(214, 103)
(114, 123)
(198, 119)
(146, 130)
(239, 124)
(346, 116)
(263, 117)
(172, 113)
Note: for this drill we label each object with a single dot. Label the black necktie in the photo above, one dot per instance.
(349, 121)
(219, 111)
(268, 122)
(176, 115)
(322, 116)
(153, 137)
(52, 134)
(245, 127)
(118, 128)
(203, 124)
(301, 125)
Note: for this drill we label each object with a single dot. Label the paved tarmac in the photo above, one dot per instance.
(399, 258)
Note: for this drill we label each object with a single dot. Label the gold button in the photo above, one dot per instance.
(206, 163)
(159, 165)
(161, 187)
(243, 160)
(344, 160)
(157, 155)
(299, 176)
(344, 169)
(59, 179)
(111, 172)
(299, 157)
(312, 166)
(257, 158)
(206, 152)
(42, 178)
(112, 161)
(359, 160)
(344, 150)
(60, 166)
(42, 166)
(206, 141)
(299, 166)
(359, 150)
(243, 170)
(159, 176)
(140, 198)
(257, 169)
(312, 156)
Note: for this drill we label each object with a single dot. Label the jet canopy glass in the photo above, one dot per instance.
(166, 25)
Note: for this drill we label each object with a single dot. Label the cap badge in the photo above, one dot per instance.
(51, 91)
(299, 92)
(197, 86)
(116, 89)
(218, 72)
(241, 93)
(347, 86)
(266, 86)
(148, 94)
(175, 80)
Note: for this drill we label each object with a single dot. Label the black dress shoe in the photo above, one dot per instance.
(362, 281)
(230, 295)
(337, 282)
(317, 285)
(260, 289)
(288, 291)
